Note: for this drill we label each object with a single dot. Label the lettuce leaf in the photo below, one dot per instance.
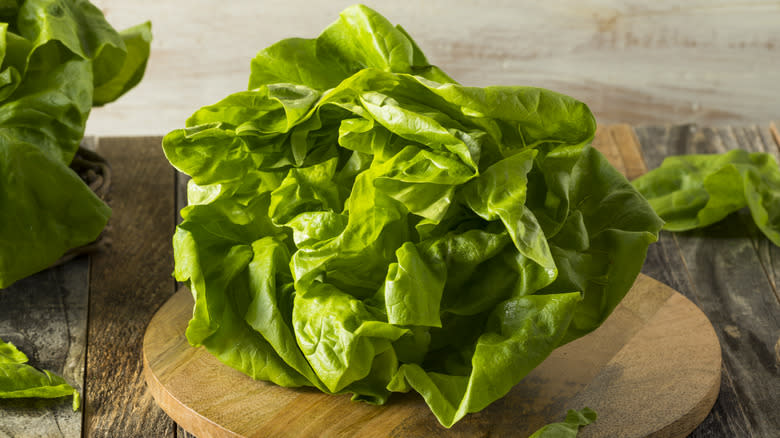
(569, 427)
(58, 58)
(19, 380)
(360, 223)
(693, 191)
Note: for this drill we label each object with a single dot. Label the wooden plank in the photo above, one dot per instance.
(128, 283)
(631, 61)
(630, 150)
(605, 143)
(720, 269)
(45, 316)
(620, 146)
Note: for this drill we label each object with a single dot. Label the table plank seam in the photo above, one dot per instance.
(86, 402)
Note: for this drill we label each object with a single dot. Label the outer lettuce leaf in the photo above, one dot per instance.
(358, 227)
(218, 261)
(693, 191)
(19, 380)
(49, 110)
(76, 26)
(518, 335)
(138, 40)
(360, 39)
(58, 58)
(272, 302)
(34, 183)
(600, 246)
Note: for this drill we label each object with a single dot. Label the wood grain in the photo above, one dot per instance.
(631, 61)
(655, 339)
(45, 316)
(128, 283)
(729, 271)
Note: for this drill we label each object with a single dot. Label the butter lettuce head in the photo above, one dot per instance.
(360, 223)
(58, 59)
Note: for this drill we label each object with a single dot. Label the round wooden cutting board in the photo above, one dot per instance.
(652, 369)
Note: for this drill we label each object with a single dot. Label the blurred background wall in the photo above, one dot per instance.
(633, 61)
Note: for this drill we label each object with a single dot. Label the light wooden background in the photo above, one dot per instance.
(632, 61)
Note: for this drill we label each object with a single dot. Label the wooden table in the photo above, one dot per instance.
(86, 319)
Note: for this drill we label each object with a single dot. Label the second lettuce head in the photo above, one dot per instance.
(58, 59)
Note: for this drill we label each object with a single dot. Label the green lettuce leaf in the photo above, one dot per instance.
(361, 223)
(58, 58)
(138, 40)
(19, 380)
(36, 183)
(569, 427)
(693, 191)
(361, 38)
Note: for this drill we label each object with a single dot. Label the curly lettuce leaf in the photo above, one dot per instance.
(361, 38)
(137, 40)
(357, 226)
(37, 183)
(58, 58)
(600, 244)
(19, 380)
(694, 191)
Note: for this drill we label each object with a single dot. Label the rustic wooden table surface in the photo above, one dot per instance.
(701, 77)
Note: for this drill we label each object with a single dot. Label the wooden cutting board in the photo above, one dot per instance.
(652, 369)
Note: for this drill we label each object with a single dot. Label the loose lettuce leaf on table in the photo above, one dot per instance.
(569, 427)
(693, 191)
(19, 380)
(58, 58)
(360, 223)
